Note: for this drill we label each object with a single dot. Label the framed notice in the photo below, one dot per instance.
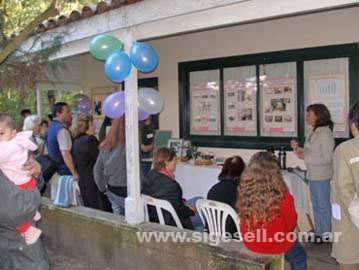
(205, 103)
(327, 82)
(279, 100)
(240, 101)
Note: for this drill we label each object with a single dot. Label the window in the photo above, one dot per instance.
(258, 101)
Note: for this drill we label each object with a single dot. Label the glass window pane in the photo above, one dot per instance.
(278, 100)
(205, 98)
(327, 82)
(240, 101)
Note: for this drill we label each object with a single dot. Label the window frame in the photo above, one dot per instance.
(261, 142)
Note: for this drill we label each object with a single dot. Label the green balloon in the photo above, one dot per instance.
(102, 46)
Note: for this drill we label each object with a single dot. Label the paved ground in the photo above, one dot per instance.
(319, 257)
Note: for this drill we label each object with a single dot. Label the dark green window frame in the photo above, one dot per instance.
(299, 56)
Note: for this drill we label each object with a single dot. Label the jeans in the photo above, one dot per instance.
(196, 219)
(117, 203)
(322, 209)
(296, 257)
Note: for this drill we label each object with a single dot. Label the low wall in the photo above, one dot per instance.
(99, 240)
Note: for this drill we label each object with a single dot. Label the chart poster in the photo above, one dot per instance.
(240, 108)
(205, 103)
(330, 90)
(279, 107)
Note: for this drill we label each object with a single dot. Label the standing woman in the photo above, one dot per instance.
(85, 152)
(318, 157)
(110, 168)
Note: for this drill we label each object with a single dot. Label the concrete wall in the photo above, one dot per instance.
(99, 240)
(320, 29)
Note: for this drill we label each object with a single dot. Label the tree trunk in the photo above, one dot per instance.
(16, 42)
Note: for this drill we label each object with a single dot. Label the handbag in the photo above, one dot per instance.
(48, 166)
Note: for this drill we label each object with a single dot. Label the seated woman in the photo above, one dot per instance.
(226, 190)
(161, 184)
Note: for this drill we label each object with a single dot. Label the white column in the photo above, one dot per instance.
(134, 210)
(38, 100)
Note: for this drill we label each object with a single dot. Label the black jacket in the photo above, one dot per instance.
(162, 187)
(17, 207)
(85, 152)
(225, 191)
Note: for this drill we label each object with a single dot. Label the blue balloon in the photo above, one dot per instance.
(143, 57)
(118, 66)
(114, 105)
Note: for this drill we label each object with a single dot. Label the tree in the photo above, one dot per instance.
(19, 70)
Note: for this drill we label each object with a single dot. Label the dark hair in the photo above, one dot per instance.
(44, 122)
(354, 114)
(323, 115)
(161, 156)
(4, 118)
(24, 112)
(50, 116)
(57, 108)
(232, 169)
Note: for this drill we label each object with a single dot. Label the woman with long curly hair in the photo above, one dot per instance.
(267, 212)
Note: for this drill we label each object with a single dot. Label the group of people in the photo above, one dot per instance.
(256, 191)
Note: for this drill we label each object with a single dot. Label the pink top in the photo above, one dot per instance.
(13, 155)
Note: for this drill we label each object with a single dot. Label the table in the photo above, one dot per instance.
(196, 180)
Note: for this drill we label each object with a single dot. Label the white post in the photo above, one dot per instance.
(134, 210)
(38, 100)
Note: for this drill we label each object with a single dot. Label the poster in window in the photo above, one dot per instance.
(330, 90)
(240, 99)
(205, 103)
(279, 106)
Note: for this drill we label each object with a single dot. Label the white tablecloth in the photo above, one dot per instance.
(196, 180)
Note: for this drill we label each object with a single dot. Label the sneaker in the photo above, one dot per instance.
(37, 216)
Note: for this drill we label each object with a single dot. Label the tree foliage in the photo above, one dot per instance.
(20, 70)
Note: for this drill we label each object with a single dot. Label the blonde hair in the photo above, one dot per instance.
(82, 124)
(260, 190)
(161, 156)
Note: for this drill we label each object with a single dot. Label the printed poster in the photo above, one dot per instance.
(205, 103)
(330, 90)
(240, 107)
(279, 101)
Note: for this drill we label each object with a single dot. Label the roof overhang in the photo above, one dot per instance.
(158, 18)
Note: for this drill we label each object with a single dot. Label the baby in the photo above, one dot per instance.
(14, 148)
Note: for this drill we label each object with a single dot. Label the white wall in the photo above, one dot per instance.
(320, 29)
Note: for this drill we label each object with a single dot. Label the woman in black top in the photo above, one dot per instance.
(85, 152)
(226, 190)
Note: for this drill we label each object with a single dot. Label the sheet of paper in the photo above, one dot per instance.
(336, 212)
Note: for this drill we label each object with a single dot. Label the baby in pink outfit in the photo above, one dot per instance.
(14, 149)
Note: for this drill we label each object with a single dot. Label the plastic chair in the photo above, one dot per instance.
(215, 215)
(161, 205)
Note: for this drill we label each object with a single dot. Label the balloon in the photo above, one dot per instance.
(102, 46)
(150, 100)
(118, 66)
(142, 115)
(81, 104)
(85, 106)
(114, 105)
(143, 57)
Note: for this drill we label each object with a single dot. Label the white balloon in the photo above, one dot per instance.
(150, 100)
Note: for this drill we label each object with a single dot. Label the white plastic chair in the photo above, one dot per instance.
(215, 215)
(161, 205)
